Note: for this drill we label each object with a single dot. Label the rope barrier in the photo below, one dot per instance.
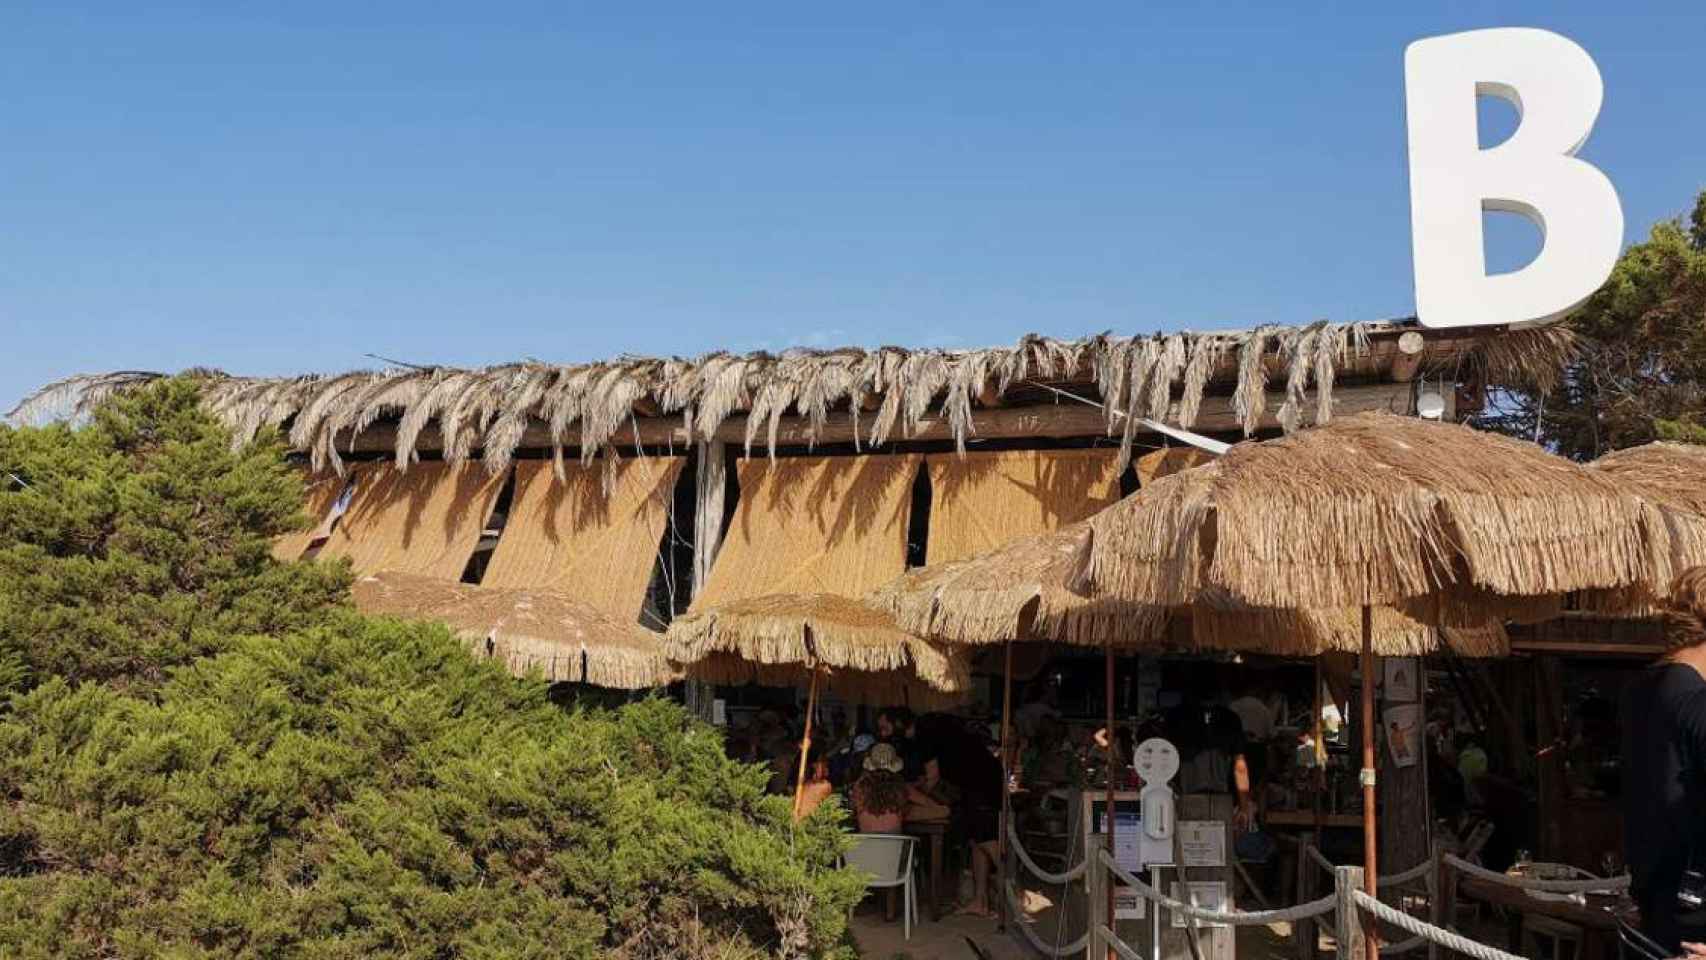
(1031, 865)
(1411, 875)
(1117, 945)
(1595, 885)
(1235, 918)
(1046, 949)
(1428, 931)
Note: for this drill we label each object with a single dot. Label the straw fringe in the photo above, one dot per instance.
(1672, 476)
(827, 630)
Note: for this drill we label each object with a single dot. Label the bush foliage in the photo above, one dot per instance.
(236, 766)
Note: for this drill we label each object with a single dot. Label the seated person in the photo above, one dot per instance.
(881, 795)
(817, 787)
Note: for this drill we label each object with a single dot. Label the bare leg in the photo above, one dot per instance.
(983, 863)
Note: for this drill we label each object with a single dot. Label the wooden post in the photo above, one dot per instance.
(1370, 837)
(806, 743)
(1008, 873)
(1549, 756)
(1108, 664)
(1354, 944)
(1406, 823)
(707, 537)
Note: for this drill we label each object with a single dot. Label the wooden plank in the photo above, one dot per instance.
(1567, 648)
(1063, 420)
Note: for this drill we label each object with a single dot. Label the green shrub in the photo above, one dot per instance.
(143, 540)
(220, 760)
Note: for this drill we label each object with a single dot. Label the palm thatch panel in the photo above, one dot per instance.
(887, 392)
(1375, 510)
(812, 525)
(593, 534)
(320, 497)
(982, 501)
(525, 630)
(427, 521)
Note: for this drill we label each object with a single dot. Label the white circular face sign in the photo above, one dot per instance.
(1156, 760)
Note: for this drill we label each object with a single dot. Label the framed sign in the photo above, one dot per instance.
(1208, 894)
(1403, 679)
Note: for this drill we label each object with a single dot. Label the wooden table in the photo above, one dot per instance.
(935, 831)
(1597, 918)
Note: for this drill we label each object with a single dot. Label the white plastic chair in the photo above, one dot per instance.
(887, 858)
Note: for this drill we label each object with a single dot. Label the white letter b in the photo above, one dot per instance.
(1557, 92)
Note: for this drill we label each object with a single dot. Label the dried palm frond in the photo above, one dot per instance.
(1162, 377)
(73, 398)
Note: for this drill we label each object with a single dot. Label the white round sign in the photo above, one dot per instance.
(1156, 760)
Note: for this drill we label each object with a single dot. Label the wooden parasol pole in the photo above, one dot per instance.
(1006, 775)
(805, 743)
(1108, 663)
(1369, 859)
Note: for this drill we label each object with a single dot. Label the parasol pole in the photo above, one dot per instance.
(1369, 872)
(1006, 773)
(1108, 663)
(805, 743)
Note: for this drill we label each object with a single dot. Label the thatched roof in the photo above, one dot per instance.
(564, 638)
(1376, 510)
(887, 393)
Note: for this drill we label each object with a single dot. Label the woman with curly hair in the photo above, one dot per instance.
(881, 795)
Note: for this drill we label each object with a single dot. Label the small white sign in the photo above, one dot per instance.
(1403, 679)
(1210, 895)
(1127, 904)
(1203, 842)
(719, 713)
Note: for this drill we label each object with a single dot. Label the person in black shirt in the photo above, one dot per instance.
(1664, 752)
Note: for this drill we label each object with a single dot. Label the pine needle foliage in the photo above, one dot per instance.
(220, 758)
(143, 540)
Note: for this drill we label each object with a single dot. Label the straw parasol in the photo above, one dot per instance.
(1377, 509)
(565, 639)
(1021, 591)
(808, 639)
(1672, 475)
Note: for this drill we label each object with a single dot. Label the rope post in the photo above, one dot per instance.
(1435, 883)
(1009, 876)
(1353, 942)
(1370, 836)
(1108, 662)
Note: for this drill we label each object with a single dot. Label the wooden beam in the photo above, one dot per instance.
(1053, 421)
(1639, 651)
(1407, 359)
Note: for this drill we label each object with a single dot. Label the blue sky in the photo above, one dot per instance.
(275, 191)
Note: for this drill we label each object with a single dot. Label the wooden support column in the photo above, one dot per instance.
(707, 537)
(1405, 823)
